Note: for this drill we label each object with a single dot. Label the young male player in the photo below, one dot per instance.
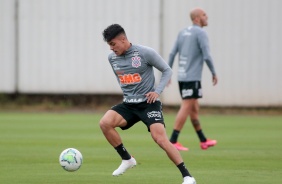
(193, 48)
(133, 67)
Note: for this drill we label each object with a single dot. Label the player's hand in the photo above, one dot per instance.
(214, 80)
(152, 97)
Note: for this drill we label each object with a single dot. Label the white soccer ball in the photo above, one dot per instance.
(70, 159)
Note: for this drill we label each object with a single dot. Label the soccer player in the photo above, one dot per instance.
(193, 48)
(133, 67)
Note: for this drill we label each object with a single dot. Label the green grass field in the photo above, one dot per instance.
(249, 150)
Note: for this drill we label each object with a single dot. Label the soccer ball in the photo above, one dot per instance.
(70, 159)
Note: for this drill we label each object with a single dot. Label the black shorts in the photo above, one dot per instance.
(145, 112)
(190, 90)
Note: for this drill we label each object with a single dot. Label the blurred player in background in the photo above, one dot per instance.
(133, 67)
(193, 48)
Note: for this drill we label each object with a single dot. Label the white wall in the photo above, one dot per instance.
(7, 46)
(60, 46)
(245, 39)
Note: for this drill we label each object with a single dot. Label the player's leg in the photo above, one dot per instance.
(158, 134)
(108, 123)
(182, 115)
(194, 117)
(180, 120)
(186, 91)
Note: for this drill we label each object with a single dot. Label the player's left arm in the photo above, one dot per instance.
(204, 45)
(158, 62)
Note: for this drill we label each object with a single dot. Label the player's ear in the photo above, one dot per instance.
(123, 38)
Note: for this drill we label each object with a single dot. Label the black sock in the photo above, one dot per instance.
(174, 136)
(184, 171)
(123, 152)
(201, 136)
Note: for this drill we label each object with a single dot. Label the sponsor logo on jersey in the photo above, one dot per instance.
(181, 69)
(133, 100)
(130, 78)
(187, 34)
(136, 53)
(136, 61)
(114, 57)
(155, 114)
(115, 66)
(200, 92)
(187, 92)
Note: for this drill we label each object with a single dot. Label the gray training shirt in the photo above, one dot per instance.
(193, 48)
(134, 72)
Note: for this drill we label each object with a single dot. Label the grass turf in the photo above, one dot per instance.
(249, 150)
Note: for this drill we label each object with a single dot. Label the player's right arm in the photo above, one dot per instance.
(174, 51)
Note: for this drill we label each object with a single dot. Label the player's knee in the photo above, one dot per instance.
(194, 111)
(160, 140)
(194, 114)
(104, 125)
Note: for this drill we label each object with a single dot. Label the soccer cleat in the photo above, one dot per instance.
(189, 180)
(125, 164)
(207, 144)
(180, 147)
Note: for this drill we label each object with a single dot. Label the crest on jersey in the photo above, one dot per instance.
(136, 61)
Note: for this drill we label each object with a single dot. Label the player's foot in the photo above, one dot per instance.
(189, 180)
(179, 146)
(125, 164)
(207, 144)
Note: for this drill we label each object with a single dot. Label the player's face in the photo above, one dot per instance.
(203, 19)
(117, 45)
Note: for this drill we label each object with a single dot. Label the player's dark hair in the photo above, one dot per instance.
(112, 31)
